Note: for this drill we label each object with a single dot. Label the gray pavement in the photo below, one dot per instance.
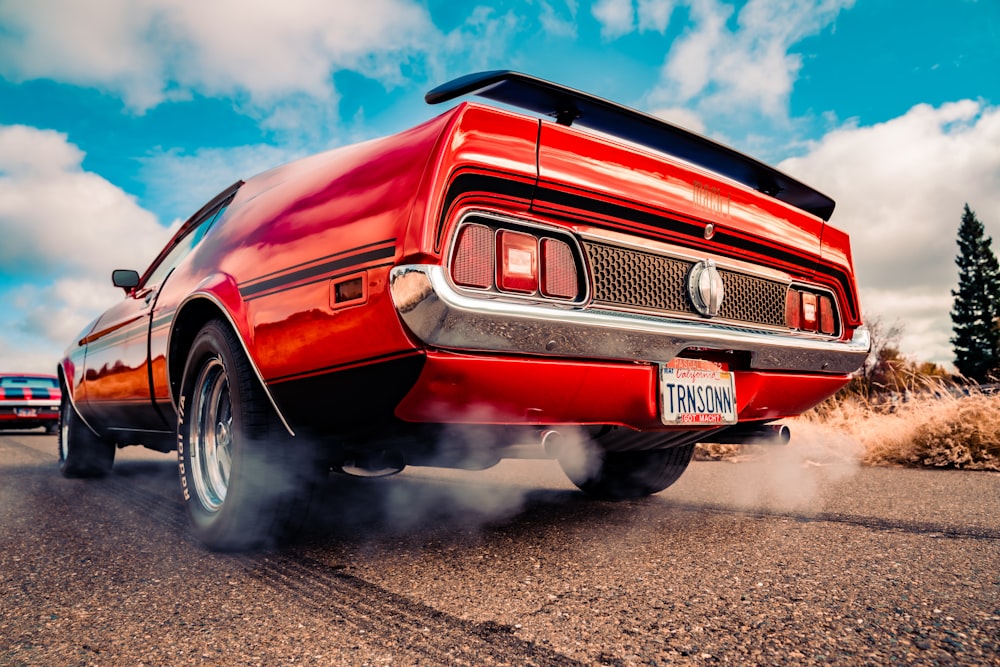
(792, 555)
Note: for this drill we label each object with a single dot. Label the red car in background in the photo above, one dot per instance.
(29, 401)
(582, 276)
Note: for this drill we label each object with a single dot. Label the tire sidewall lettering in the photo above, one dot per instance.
(181, 467)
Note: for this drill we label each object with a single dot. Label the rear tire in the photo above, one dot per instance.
(624, 475)
(246, 483)
(81, 452)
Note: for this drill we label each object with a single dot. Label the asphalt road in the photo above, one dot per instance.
(792, 557)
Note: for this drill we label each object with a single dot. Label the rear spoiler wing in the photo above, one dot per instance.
(570, 106)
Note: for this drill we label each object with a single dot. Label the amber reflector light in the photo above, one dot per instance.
(517, 263)
(473, 262)
(559, 277)
(349, 290)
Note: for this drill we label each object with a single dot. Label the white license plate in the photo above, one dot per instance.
(26, 412)
(695, 392)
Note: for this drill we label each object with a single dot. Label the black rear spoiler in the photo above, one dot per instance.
(570, 106)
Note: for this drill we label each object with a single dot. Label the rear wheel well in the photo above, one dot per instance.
(188, 322)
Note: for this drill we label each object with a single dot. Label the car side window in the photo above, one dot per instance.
(156, 274)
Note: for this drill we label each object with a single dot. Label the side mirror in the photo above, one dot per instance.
(127, 279)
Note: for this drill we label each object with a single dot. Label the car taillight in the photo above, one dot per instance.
(808, 311)
(473, 264)
(529, 261)
(827, 320)
(517, 262)
(793, 309)
(559, 277)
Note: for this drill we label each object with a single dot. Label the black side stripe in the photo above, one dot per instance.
(317, 270)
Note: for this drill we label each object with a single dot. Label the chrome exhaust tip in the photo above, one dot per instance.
(766, 434)
(551, 442)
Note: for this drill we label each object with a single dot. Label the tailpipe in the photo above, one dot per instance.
(752, 434)
(381, 463)
(552, 441)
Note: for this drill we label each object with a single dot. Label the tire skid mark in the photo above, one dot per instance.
(859, 520)
(343, 598)
(377, 610)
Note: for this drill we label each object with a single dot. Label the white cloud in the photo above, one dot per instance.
(56, 218)
(621, 17)
(64, 230)
(150, 50)
(900, 187)
(743, 72)
(88, 43)
(617, 17)
(554, 24)
(483, 39)
(654, 15)
(182, 182)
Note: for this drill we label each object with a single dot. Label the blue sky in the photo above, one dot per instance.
(120, 118)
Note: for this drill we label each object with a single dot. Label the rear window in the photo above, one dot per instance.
(29, 383)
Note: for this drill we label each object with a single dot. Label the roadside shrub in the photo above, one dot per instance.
(934, 429)
(941, 428)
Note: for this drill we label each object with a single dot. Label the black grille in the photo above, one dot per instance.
(627, 278)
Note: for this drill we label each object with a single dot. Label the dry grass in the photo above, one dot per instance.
(938, 430)
(941, 431)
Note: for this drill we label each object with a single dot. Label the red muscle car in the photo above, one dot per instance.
(577, 274)
(29, 401)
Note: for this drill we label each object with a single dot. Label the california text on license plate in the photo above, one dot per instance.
(696, 392)
(26, 412)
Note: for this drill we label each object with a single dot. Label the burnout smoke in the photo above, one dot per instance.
(463, 496)
(791, 477)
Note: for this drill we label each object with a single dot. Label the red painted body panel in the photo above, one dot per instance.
(837, 252)
(501, 390)
(599, 167)
(481, 142)
(270, 264)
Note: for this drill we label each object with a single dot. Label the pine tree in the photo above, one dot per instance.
(976, 314)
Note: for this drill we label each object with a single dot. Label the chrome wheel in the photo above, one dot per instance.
(245, 483)
(212, 435)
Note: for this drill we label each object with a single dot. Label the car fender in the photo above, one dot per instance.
(216, 295)
(67, 384)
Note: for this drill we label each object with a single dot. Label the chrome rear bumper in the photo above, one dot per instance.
(439, 315)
